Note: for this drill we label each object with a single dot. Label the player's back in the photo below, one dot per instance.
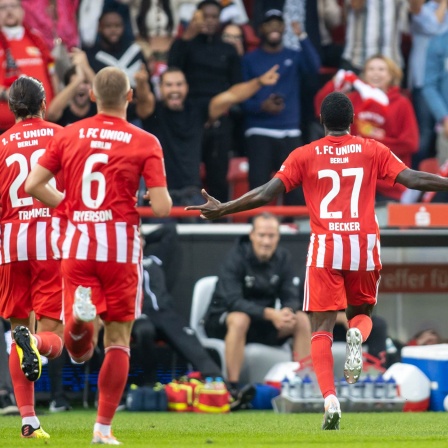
(102, 159)
(338, 175)
(25, 222)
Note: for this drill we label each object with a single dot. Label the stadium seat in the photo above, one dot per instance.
(258, 358)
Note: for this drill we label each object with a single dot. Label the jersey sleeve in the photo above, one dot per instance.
(154, 166)
(51, 159)
(290, 173)
(389, 165)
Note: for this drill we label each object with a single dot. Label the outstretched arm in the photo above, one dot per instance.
(420, 180)
(240, 92)
(213, 209)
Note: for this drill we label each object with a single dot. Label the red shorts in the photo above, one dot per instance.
(332, 289)
(33, 285)
(116, 287)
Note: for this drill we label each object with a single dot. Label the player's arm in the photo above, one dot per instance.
(213, 209)
(160, 200)
(420, 180)
(221, 103)
(37, 186)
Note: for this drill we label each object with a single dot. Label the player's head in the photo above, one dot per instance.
(265, 235)
(111, 89)
(336, 112)
(173, 88)
(27, 98)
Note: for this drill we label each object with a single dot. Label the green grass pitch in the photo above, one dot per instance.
(240, 429)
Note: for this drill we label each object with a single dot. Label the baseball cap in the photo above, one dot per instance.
(272, 14)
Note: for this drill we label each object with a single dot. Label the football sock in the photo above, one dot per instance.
(23, 388)
(49, 344)
(78, 339)
(363, 323)
(103, 429)
(322, 357)
(33, 421)
(111, 382)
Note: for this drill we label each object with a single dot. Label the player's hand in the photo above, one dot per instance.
(210, 210)
(270, 77)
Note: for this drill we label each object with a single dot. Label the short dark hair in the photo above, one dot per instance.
(25, 97)
(209, 2)
(170, 69)
(336, 111)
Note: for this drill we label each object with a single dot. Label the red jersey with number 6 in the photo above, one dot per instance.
(338, 176)
(102, 159)
(26, 223)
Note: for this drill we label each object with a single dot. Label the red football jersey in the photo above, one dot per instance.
(26, 223)
(338, 176)
(102, 159)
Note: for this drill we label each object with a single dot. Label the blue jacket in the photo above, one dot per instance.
(292, 65)
(435, 88)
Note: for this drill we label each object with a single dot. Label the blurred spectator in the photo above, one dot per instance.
(373, 27)
(428, 19)
(330, 17)
(435, 91)
(273, 115)
(179, 122)
(156, 22)
(426, 337)
(211, 66)
(261, 6)
(53, 19)
(381, 112)
(114, 49)
(233, 35)
(73, 103)
(22, 52)
(89, 13)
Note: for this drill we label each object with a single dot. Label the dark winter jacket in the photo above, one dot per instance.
(248, 285)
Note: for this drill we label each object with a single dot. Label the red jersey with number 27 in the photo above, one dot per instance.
(338, 176)
(26, 223)
(102, 159)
